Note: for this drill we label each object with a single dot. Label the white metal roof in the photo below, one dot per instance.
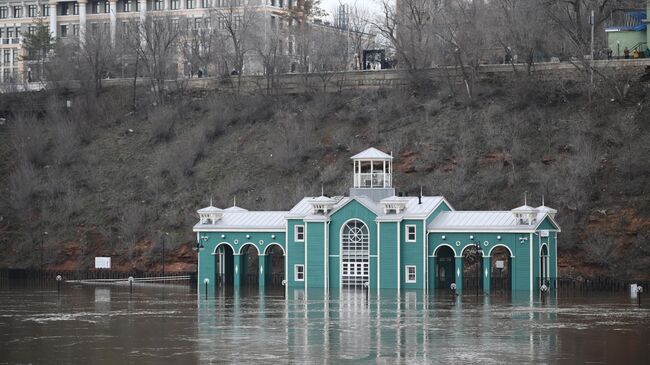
(235, 209)
(210, 209)
(480, 221)
(246, 221)
(372, 154)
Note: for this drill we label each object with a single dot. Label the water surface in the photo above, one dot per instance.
(172, 324)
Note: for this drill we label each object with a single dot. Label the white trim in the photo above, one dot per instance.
(334, 255)
(479, 230)
(223, 243)
(465, 247)
(284, 253)
(325, 257)
(407, 233)
(341, 248)
(295, 232)
(249, 243)
(378, 258)
(530, 241)
(295, 272)
(499, 245)
(406, 274)
(239, 230)
(555, 247)
(305, 269)
(425, 261)
(546, 215)
(286, 258)
(440, 245)
(399, 266)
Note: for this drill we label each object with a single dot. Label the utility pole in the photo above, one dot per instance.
(592, 22)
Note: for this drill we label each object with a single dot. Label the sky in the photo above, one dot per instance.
(330, 5)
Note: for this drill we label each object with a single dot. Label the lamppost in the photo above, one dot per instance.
(42, 248)
(164, 236)
(475, 250)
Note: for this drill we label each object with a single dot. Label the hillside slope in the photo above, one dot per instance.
(101, 180)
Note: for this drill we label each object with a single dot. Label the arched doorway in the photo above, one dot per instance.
(355, 241)
(224, 265)
(250, 263)
(500, 269)
(544, 266)
(445, 267)
(472, 269)
(274, 265)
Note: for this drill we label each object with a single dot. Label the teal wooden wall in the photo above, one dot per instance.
(315, 246)
(295, 253)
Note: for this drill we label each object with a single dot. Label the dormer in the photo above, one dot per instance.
(209, 215)
(322, 204)
(393, 205)
(548, 210)
(525, 215)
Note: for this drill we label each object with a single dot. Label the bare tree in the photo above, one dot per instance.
(97, 55)
(268, 45)
(409, 26)
(155, 40)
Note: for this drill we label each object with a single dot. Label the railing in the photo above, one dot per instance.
(94, 275)
(372, 180)
(596, 284)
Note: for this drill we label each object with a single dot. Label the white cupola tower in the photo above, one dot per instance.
(210, 215)
(373, 174)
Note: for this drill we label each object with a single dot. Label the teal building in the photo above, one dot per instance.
(373, 238)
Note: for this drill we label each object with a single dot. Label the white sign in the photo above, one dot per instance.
(544, 233)
(499, 264)
(102, 262)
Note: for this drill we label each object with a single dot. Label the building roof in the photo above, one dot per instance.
(244, 220)
(481, 221)
(235, 209)
(412, 208)
(372, 154)
(210, 209)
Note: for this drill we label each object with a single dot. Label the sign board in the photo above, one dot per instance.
(544, 233)
(102, 262)
(499, 264)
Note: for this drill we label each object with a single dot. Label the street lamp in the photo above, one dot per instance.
(199, 243)
(165, 234)
(42, 248)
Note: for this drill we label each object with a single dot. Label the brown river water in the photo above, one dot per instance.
(90, 324)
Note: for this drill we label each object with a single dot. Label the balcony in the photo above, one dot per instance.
(372, 180)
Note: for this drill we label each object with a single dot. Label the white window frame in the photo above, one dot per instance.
(295, 272)
(295, 233)
(408, 233)
(415, 273)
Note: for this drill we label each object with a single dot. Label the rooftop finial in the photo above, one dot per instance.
(542, 199)
(210, 201)
(525, 198)
(234, 201)
(322, 190)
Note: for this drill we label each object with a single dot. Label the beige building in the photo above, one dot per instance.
(71, 19)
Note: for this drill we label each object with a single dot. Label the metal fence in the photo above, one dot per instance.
(50, 275)
(595, 284)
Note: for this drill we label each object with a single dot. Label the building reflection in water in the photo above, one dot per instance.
(412, 326)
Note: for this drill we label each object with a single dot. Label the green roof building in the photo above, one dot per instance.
(376, 239)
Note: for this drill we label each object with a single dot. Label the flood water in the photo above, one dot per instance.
(172, 324)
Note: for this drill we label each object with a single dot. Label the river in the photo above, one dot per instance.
(87, 324)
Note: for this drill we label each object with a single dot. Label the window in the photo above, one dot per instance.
(299, 272)
(205, 3)
(174, 5)
(158, 5)
(18, 11)
(299, 234)
(6, 56)
(10, 32)
(65, 9)
(107, 7)
(190, 4)
(46, 10)
(3, 12)
(75, 30)
(126, 6)
(32, 10)
(75, 9)
(410, 274)
(64, 31)
(410, 233)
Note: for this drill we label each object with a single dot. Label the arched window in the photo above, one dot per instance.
(355, 241)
